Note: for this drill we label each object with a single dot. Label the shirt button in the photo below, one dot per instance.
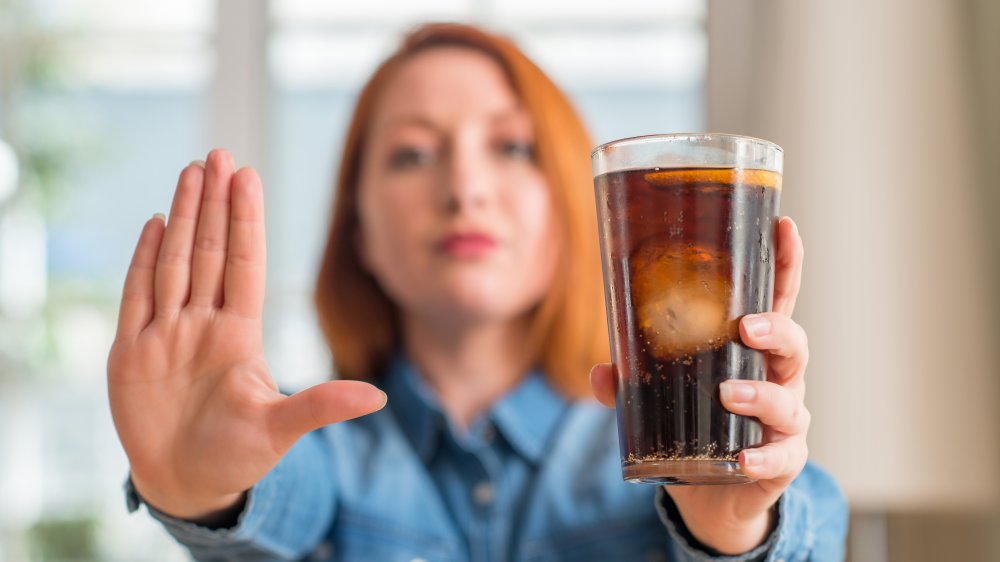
(482, 494)
(489, 433)
(323, 552)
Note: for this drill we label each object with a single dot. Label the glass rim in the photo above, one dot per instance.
(643, 139)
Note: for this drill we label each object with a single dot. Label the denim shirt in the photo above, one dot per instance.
(538, 478)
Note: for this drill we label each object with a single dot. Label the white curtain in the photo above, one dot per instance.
(882, 109)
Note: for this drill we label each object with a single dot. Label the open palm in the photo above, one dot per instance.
(191, 394)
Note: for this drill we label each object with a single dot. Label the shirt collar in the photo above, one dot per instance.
(526, 417)
(416, 407)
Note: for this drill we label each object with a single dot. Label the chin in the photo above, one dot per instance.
(469, 298)
(479, 304)
(481, 309)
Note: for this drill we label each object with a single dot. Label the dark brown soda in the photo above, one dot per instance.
(687, 253)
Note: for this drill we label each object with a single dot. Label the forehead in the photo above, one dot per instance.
(445, 84)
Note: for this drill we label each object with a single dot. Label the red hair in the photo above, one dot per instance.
(568, 328)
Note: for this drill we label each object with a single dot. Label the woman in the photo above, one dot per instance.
(460, 275)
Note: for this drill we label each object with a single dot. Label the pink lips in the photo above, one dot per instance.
(467, 245)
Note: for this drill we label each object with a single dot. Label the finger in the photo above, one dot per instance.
(782, 338)
(789, 254)
(602, 381)
(137, 296)
(321, 405)
(212, 238)
(782, 460)
(246, 264)
(777, 407)
(173, 264)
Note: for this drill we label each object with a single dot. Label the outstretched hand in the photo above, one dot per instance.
(191, 394)
(736, 518)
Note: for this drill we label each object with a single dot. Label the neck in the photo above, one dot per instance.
(470, 367)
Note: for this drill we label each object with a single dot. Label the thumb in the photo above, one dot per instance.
(323, 404)
(602, 382)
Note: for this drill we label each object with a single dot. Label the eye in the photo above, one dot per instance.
(408, 157)
(518, 149)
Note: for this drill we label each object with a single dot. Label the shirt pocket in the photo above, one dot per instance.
(359, 537)
(643, 540)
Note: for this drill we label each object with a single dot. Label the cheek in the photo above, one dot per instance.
(390, 226)
(540, 234)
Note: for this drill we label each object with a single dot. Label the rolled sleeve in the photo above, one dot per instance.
(816, 517)
(286, 515)
(812, 525)
(685, 548)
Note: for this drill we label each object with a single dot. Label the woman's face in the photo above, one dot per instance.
(457, 222)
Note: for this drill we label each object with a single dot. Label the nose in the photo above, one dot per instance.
(467, 184)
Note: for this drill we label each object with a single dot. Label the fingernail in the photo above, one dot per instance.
(197, 163)
(737, 392)
(160, 216)
(752, 459)
(757, 325)
(385, 399)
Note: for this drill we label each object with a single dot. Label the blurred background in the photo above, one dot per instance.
(887, 112)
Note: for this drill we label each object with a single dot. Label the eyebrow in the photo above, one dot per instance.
(517, 111)
(405, 120)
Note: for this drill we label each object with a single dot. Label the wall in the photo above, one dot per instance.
(875, 104)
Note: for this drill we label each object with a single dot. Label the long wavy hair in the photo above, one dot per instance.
(568, 334)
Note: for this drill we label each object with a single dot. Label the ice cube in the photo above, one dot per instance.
(681, 294)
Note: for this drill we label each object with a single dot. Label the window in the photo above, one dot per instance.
(102, 102)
